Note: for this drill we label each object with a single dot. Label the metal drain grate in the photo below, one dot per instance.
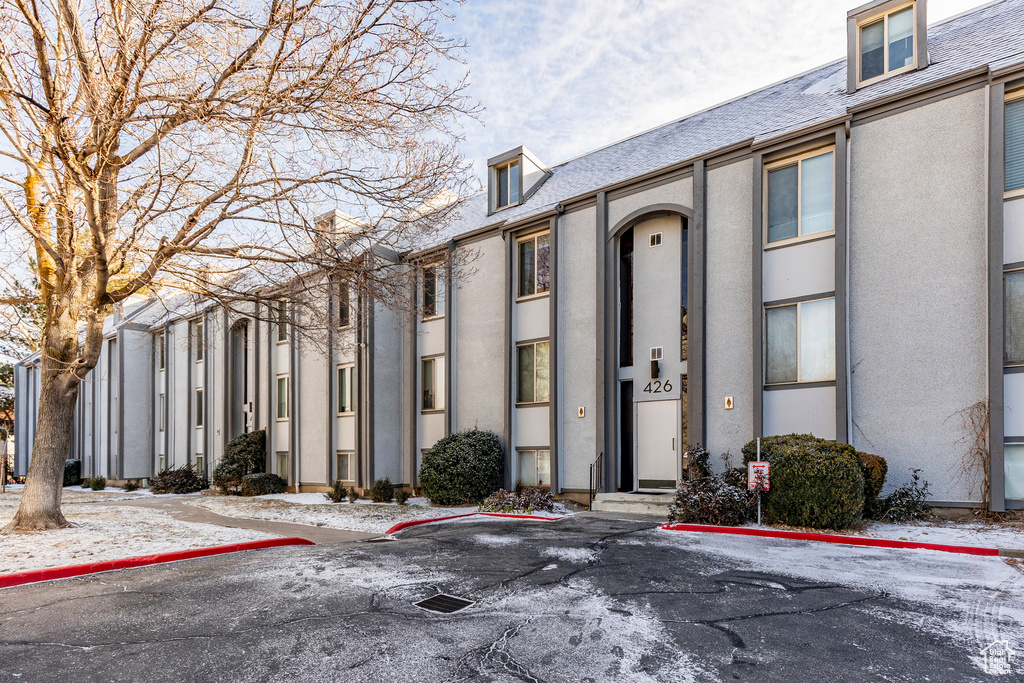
(443, 604)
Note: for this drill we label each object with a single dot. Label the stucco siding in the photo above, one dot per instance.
(728, 308)
(677, 192)
(918, 287)
(137, 409)
(799, 270)
(387, 393)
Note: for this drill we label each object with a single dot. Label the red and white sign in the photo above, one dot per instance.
(757, 470)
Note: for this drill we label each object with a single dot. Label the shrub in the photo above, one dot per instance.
(874, 468)
(72, 472)
(131, 485)
(907, 503)
(245, 454)
(521, 499)
(712, 500)
(401, 496)
(462, 468)
(353, 495)
(814, 482)
(262, 483)
(97, 483)
(337, 493)
(382, 491)
(180, 480)
(698, 461)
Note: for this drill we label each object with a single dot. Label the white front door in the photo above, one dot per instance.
(656, 429)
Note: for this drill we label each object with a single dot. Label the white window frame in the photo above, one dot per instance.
(655, 239)
(508, 189)
(163, 412)
(797, 160)
(337, 378)
(351, 466)
(287, 398)
(161, 463)
(1011, 97)
(799, 332)
(884, 17)
(199, 461)
(199, 408)
(161, 351)
(435, 271)
(1005, 363)
(537, 451)
(439, 390)
(282, 471)
(533, 237)
(534, 344)
(344, 294)
(199, 341)
(282, 313)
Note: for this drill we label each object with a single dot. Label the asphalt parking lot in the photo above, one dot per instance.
(582, 599)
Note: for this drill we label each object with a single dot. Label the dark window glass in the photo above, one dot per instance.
(503, 186)
(527, 268)
(544, 263)
(513, 183)
(782, 203)
(429, 292)
(345, 390)
(901, 38)
(282, 321)
(1013, 318)
(872, 50)
(161, 350)
(199, 341)
(199, 408)
(1015, 145)
(344, 306)
(526, 374)
(781, 343)
(428, 378)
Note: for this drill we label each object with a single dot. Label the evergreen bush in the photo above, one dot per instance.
(245, 454)
(907, 503)
(262, 484)
(874, 468)
(97, 483)
(72, 472)
(353, 495)
(131, 485)
(713, 499)
(179, 480)
(401, 496)
(338, 492)
(526, 499)
(382, 491)
(463, 468)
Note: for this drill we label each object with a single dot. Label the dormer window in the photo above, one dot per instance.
(886, 37)
(508, 185)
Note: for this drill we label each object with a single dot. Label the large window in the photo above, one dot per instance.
(344, 305)
(200, 464)
(431, 383)
(534, 264)
(345, 469)
(1013, 459)
(282, 464)
(432, 303)
(801, 196)
(345, 389)
(507, 179)
(200, 405)
(1013, 318)
(282, 322)
(800, 342)
(532, 373)
(1015, 143)
(198, 341)
(282, 397)
(887, 43)
(161, 351)
(535, 467)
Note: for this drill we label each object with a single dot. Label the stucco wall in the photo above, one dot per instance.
(918, 286)
(481, 332)
(314, 397)
(388, 396)
(676, 192)
(728, 309)
(137, 407)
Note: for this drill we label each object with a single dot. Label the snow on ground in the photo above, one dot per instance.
(952, 533)
(982, 598)
(304, 508)
(107, 532)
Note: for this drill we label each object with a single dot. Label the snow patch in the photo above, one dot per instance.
(573, 555)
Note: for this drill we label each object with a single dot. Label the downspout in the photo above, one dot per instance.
(555, 405)
(448, 341)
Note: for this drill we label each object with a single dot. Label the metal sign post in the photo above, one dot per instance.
(757, 478)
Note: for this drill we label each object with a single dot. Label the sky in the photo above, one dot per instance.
(563, 77)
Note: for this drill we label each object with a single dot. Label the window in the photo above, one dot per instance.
(507, 178)
(199, 463)
(199, 407)
(800, 197)
(345, 389)
(801, 342)
(1015, 142)
(535, 467)
(282, 322)
(161, 351)
(198, 340)
(534, 269)
(345, 466)
(656, 239)
(163, 412)
(532, 373)
(887, 43)
(344, 305)
(1013, 318)
(282, 397)
(161, 463)
(1013, 458)
(282, 465)
(657, 353)
(433, 292)
(432, 383)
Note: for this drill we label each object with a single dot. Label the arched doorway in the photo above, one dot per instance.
(240, 406)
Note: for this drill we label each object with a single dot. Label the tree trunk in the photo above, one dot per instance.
(40, 500)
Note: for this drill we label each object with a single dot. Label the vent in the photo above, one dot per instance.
(443, 604)
(657, 353)
(656, 239)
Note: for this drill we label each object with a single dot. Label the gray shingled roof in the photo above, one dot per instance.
(991, 35)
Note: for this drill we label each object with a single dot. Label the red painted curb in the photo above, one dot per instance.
(830, 538)
(20, 578)
(416, 522)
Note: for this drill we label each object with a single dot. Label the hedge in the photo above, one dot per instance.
(463, 468)
(262, 483)
(245, 454)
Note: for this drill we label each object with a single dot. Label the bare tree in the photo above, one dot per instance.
(149, 141)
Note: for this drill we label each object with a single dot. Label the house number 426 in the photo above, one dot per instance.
(658, 387)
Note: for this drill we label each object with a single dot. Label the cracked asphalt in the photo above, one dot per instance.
(583, 599)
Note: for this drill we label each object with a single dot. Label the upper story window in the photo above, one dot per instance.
(507, 179)
(345, 389)
(885, 37)
(432, 383)
(1013, 318)
(161, 351)
(282, 397)
(800, 342)
(533, 269)
(533, 376)
(282, 322)
(432, 292)
(1015, 143)
(198, 340)
(344, 305)
(800, 196)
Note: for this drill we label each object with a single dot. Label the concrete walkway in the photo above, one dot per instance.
(177, 508)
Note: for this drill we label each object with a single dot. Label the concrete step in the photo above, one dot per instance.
(634, 503)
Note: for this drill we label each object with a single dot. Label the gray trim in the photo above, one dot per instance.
(806, 385)
(190, 365)
(756, 264)
(271, 389)
(773, 246)
(1013, 439)
(554, 411)
(412, 376)
(117, 467)
(507, 352)
(1017, 265)
(371, 401)
(976, 82)
(842, 379)
(696, 427)
(228, 396)
(363, 408)
(293, 394)
(649, 211)
(332, 385)
(996, 184)
(448, 322)
(208, 361)
(604, 384)
(1007, 369)
(678, 174)
(256, 368)
(798, 299)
